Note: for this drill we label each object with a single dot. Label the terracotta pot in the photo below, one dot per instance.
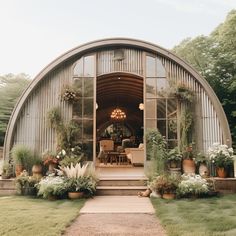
(75, 195)
(189, 166)
(51, 167)
(18, 169)
(168, 195)
(221, 172)
(37, 169)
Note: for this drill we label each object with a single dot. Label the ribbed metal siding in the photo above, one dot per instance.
(209, 124)
(31, 127)
(131, 63)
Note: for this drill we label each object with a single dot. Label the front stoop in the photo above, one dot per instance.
(121, 186)
(7, 187)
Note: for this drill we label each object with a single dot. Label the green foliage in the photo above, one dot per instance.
(192, 185)
(67, 134)
(25, 184)
(165, 184)
(51, 186)
(214, 57)
(22, 155)
(11, 87)
(156, 150)
(7, 170)
(174, 155)
(83, 184)
(68, 160)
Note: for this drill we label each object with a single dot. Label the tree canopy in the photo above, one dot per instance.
(214, 56)
(11, 87)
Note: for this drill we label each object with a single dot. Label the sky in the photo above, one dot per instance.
(35, 32)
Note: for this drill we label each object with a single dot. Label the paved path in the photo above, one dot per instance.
(116, 216)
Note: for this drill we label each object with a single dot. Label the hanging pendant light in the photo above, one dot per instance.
(118, 115)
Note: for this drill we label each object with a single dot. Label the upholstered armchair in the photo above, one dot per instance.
(106, 145)
(135, 155)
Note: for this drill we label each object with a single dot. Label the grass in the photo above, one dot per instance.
(32, 216)
(201, 217)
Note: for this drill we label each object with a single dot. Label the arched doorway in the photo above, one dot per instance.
(122, 91)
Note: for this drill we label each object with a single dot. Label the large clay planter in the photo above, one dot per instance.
(189, 166)
(18, 169)
(37, 170)
(51, 167)
(75, 195)
(221, 172)
(168, 196)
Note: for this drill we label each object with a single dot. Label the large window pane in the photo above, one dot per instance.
(88, 87)
(89, 66)
(78, 69)
(161, 125)
(88, 107)
(172, 108)
(88, 129)
(151, 87)
(161, 71)
(77, 108)
(162, 86)
(172, 129)
(151, 66)
(161, 108)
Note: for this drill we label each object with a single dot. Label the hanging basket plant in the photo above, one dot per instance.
(70, 94)
(184, 94)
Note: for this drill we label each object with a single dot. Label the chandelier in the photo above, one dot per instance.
(118, 114)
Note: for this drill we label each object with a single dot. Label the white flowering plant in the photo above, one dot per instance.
(51, 186)
(192, 185)
(221, 155)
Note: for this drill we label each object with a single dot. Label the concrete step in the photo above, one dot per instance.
(7, 187)
(121, 182)
(119, 190)
(7, 183)
(225, 185)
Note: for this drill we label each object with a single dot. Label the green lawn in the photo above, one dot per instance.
(200, 217)
(32, 216)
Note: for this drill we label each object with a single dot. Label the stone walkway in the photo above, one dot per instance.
(116, 215)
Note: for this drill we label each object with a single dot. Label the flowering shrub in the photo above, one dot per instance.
(51, 186)
(192, 185)
(221, 155)
(50, 158)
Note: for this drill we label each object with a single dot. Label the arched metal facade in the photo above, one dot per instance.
(27, 124)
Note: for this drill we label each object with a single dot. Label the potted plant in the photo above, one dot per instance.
(51, 187)
(202, 164)
(173, 158)
(78, 187)
(7, 170)
(222, 157)
(22, 157)
(70, 93)
(51, 160)
(26, 185)
(192, 186)
(165, 185)
(37, 167)
(188, 163)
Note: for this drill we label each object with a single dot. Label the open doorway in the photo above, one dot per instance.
(119, 120)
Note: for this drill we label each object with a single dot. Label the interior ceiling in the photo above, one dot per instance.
(123, 91)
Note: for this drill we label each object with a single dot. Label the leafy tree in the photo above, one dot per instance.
(214, 56)
(11, 87)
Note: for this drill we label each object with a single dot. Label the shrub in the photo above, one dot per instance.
(51, 186)
(192, 185)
